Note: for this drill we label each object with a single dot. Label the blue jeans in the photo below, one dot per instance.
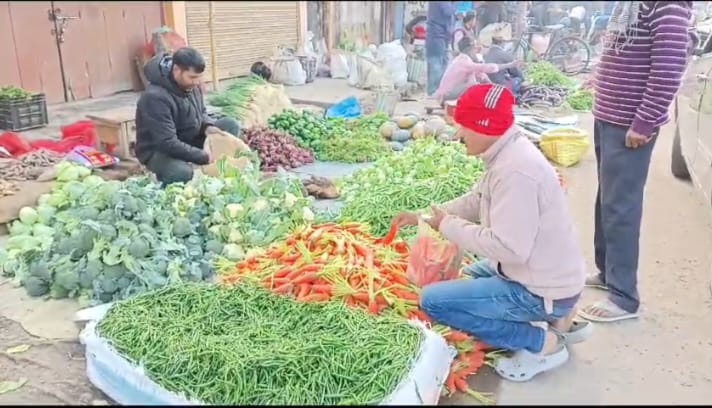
(436, 57)
(491, 308)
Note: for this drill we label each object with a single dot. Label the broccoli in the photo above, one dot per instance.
(35, 286)
(182, 227)
(139, 248)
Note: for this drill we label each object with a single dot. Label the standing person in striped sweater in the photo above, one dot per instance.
(645, 56)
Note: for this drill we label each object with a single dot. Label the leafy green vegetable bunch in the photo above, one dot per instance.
(426, 172)
(581, 100)
(354, 140)
(545, 73)
(236, 98)
(13, 93)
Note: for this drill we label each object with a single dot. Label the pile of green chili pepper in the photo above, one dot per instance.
(426, 172)
(243, 345)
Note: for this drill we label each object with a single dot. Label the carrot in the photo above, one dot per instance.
(284, 289)
(324, 288)
(304, 290)
(450, 383)
(282, 273)
(461, 384)
(288, 259)
(310, 268)
(404, 294)
(390, 236)
(290, 241)
(456, 336)
(306, 278)
(360, 250)
(373, 307)
(401, 248)
(361, 297)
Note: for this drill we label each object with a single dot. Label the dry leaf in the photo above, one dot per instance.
(10, 386)
(18, 349)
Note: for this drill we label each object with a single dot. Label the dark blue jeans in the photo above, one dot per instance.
(437, 57)
(622, 173)
(493, 309)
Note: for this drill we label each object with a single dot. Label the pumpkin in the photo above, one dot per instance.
(434, 126)
(418, 131)
(396, 146)
(387, 129)
(400, 135)
(405, 122)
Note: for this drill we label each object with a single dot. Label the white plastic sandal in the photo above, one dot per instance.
(523, 365)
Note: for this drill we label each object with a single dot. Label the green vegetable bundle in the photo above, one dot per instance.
(581, 100)
(243, 345)
(236, 98)
(354, 147)
(544, 73)
(13, 93)
(354, 140)
(307, 128)
(426, 172)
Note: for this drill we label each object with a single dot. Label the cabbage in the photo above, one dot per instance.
(18, 228)
(93, 181)
(233, 252)
(42, 231)
(45, 213)
(28, 216)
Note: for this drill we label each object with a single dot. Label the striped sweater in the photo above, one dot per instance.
(638, 78)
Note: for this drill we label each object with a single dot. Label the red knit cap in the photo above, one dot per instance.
(486, 109)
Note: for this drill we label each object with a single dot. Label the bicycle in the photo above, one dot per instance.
(569, 53)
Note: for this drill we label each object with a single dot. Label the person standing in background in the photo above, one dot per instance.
(645, 54)
(438, 36)
(467, 30)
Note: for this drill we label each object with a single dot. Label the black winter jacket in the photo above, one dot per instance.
(168, 119)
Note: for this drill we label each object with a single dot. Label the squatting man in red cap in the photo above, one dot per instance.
(532, 269)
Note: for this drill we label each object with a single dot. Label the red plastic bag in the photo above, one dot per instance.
(14, 143)
(81, 133)
(432, 259)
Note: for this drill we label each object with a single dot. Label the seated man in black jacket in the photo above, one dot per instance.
(512, 77)
(171, 121)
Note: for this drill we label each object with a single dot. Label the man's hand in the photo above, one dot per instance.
(634, 140)
(212, 129)
(436, 217)
(405, 218)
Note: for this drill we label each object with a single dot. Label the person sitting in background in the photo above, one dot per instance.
(171, 119)
(464, 72)
(512, 76)
(468, 25)
(532, 269)
(260, 69)
(577, 20)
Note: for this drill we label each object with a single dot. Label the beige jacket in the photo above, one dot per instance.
(518, 216)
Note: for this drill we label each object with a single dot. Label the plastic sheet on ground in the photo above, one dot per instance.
(127, 383)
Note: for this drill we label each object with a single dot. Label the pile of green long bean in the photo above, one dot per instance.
(243, 345)
(426, 172)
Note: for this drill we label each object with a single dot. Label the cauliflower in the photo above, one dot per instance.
(260, 204)
(234, 236)
(289, 200)
(28, 215)
(307, 214)
(233, 210)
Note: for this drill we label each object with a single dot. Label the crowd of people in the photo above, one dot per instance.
(532, 273)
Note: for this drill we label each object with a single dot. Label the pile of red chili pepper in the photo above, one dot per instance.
(343, 261)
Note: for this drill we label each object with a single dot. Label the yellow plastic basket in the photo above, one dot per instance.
(564, 146)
